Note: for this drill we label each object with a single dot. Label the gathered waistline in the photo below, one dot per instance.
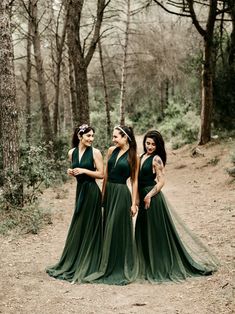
(144, 184)
(116, 181)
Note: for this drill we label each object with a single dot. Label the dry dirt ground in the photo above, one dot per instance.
(202, 194)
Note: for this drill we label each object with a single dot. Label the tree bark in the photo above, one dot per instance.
(231, 57)
(77, 53)
(60, 40)
(207, 95)
(73, 95)
(8, 110)
(106, 99)
(124, 67)
(208, 68)
(46, 120)
(28, 81)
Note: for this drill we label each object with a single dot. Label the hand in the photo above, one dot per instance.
(77, 171)
(147, 201)
(134, 210)
(70, 172)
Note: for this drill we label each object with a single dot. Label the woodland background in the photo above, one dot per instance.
(168, 65)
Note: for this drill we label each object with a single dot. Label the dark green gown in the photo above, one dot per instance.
(162, 255)
(118, 264)
(82, 251)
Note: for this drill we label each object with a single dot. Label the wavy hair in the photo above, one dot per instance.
(159, 142)
(80, 130)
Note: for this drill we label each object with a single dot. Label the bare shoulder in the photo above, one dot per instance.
(111, 149)
(70, 153)
(96, 152)
(157, 161)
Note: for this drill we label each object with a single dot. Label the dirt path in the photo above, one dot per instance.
(204, 198)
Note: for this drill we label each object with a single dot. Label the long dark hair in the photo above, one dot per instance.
(132, 153)
(159, 142)
(80, 130)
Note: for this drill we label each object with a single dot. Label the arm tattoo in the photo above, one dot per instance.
(154, 190)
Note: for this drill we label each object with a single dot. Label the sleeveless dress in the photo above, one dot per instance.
(118, 264)
(162, 255)
(82, 250)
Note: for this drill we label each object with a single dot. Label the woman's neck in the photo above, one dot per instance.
(81, 146)
(124, 148)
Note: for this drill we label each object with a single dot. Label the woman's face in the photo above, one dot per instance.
(150, 145)
(118, 139)
(87, 138)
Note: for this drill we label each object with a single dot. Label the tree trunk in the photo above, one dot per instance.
(167, 83)
(232, 38)
(73, 93)
(162, 98)
(80, 71)
(8, 111)
(208, 68)
(208, 77)
(207, 94)
(106, 99)
(40, 74)
(79, 59)
(28, 82)
(60, 40)
(124, 67)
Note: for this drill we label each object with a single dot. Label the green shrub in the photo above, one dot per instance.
(28, 220)
(180, 125)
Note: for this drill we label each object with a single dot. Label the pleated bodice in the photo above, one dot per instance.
(118, 170)
(85, 162)
(146, 175)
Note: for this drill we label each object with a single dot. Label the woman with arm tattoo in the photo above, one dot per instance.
(162, 253)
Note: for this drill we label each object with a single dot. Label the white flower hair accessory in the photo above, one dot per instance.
(83, 128)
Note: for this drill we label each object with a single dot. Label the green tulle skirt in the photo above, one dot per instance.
(118, 263)
(162, 253)
(82, 250)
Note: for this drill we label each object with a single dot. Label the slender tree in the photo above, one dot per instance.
(106, 98)
(59, 48)
(32, 11)
(124, 66)
(28, 80)
(73, 95)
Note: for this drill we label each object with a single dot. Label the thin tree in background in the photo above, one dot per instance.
(28, 80)
(8, 109)
(124, 67)
(73, 95)
(32, 11)
(59, 42)
(106, 99)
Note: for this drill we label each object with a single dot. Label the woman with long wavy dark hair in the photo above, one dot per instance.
(164, 254)
(118, 263)
(82, 250)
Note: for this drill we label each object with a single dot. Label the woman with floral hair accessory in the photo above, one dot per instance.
(82, 250)
(167, 250)
(118, 262)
